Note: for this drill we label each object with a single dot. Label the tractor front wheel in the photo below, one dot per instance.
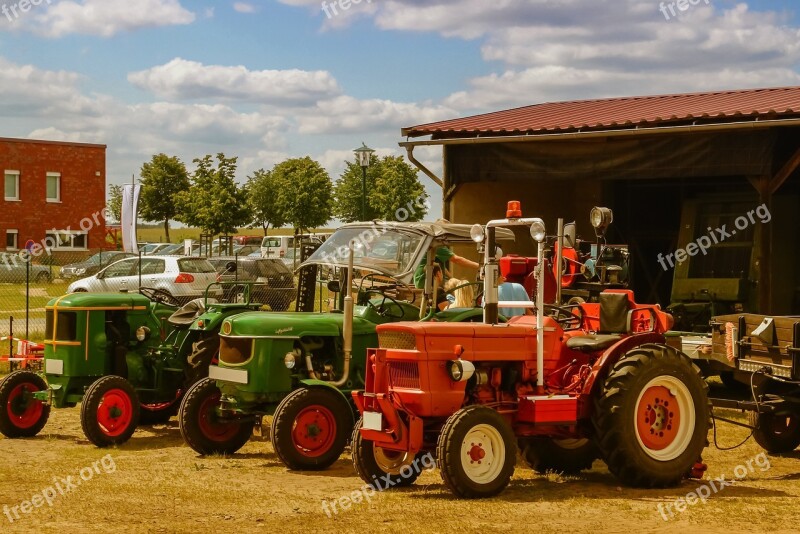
(22, 416)
(310, 428)
(201, 427)
(477, 451)
(110, 411)
(383, 468)
(776, 433)
(652, 418)
(566, 456)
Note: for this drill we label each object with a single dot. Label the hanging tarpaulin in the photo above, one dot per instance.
(130, 206)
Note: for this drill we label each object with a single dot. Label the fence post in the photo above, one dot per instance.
(27, 294)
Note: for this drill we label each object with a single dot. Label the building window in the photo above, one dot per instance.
(54, 187)
(12, 239)
(66, 240)
(11, 185)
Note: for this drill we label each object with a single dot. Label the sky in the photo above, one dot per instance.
(266, 80)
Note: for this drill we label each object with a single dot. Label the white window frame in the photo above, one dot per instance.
(49, 175)
(12, 173)
(15, 233)
(72, 234)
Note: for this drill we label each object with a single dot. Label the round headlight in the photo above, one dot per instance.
(226, 327)
(460, 370)
(142, 333)
(289, 360)
(476, 233)
(456, 371)
(538, 231)
(601, 217)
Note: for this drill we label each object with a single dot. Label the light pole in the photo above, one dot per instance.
(363, 155)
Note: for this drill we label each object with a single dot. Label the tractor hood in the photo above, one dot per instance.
(102, 301)
(292, 325)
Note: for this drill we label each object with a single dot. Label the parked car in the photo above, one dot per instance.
(12, 270)
(274, 281)
(279, 245)
(92, 264)
(175, 248)
(183, 277)
(152, 248)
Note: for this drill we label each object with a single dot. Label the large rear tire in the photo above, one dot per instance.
(652, 418)
(110, 411)
(776, 433)
(382, 468)
(566, 456)
(201, 427)
(476, 452)
(22, 416)
(311, 427)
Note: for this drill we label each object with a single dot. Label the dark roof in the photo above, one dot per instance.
(624, 113)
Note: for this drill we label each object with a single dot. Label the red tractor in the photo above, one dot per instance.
(567, 385)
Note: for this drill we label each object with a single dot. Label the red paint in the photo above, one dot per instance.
(23, 414)
(314, 431)
(657, 418)
(115, 413)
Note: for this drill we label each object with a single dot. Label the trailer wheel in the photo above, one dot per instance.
(110, 411)
(382, 468)
(310, 428)
(567, 456)
(776, 433)
(22, 416)
(200, 426)
(476, 452)
(652, 418)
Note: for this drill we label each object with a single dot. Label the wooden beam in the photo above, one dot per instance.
(782, 175)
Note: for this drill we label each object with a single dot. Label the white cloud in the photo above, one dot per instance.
(244, 7)
(103, 18)
(181, 79)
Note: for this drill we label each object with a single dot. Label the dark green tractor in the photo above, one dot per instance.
(126, 357)
(301, 367)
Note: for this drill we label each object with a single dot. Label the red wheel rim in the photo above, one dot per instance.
(115, 412)
(209, 423)
(314, 431)
(156, 407)
(24, 412)
(658, 418)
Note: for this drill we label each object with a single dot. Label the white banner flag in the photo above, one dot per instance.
(130, 206)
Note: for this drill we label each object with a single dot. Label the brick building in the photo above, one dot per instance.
(53, 194)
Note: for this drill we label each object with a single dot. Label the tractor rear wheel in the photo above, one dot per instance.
(652, 418)
(203, 352)
(566, 456)
(202, 428)
(776, 433)
(110, 411)
(22, 416)
(382, 468)
(311, 427)
(476, 452)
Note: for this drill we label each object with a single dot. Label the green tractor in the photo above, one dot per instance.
(126, 357)
(301, 367)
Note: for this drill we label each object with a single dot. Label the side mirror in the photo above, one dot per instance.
(230, 267)
(334, 286)
(569, 235)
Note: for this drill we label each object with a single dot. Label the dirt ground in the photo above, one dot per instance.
(156, 484)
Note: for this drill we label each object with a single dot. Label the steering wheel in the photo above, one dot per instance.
(380, 280)
(564, 316)
(160, 296)
(382, 309)
(478, 297)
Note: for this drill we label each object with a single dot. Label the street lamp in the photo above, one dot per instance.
(363, 155)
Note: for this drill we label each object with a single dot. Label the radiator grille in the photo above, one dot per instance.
(397, 340)
(404, 375)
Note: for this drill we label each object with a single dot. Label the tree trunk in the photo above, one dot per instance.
(166, 230)
(266, 227)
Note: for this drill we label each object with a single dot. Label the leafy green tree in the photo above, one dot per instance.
(114, 205)
(163, 178)
(214, 202)
(262, 195)
(394, 191)
(305, 193)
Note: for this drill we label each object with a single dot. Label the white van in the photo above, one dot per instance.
(279, 245)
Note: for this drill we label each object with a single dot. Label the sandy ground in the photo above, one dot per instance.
(156, 484)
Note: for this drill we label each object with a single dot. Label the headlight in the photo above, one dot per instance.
(538, 230)
(290, 360)
(226, 327)
(601, 217)
(476, 233)
(79, 271)
(460, 370)
(142, 333)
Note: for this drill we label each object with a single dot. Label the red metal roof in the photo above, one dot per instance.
(621, 113)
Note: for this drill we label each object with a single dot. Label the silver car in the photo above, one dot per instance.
(184, 278)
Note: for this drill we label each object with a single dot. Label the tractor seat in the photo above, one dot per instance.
(185, 316)
(593, 342)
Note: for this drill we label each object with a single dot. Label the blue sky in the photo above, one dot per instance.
(270, 79)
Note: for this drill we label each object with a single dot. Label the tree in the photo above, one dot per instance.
(163, 178)
(394, 191)
(214, 202)
(114, 205)
(305, 193)
(262, 195)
